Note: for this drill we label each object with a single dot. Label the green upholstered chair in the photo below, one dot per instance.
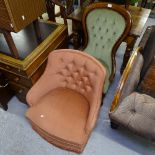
(105, 27)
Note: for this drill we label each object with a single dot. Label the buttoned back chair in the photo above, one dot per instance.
(65, 101)
(105, 27)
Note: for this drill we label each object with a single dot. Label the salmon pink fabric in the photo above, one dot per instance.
(65, 101)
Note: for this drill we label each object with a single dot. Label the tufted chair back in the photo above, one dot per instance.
(105, 26)
(70, 69)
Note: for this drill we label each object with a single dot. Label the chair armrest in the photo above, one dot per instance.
(129, 79)
(93, 116)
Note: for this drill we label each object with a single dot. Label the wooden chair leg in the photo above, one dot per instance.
(50, 10)
(11, 44)
(114, 125)
(37, 31)
(4, 106)
(103, 95)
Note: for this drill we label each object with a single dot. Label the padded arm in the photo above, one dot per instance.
(129, 79)
(93, 115)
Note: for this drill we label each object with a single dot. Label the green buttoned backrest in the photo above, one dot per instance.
(104, 27)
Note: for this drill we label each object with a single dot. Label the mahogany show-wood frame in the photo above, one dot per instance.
(125, 14)
(123, 79)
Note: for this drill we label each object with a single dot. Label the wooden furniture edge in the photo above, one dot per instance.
(24, 64)
(123, 79)
(10, 15)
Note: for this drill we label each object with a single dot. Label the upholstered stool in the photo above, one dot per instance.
(137, 113)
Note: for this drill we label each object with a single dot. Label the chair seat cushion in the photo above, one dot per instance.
(137, 113)
(62, 113)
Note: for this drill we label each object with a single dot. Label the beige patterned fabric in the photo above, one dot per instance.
(133, 77)
(137, 113)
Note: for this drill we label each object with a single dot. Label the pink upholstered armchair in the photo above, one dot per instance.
(65, 101)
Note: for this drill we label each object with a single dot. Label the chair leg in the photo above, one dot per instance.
(4, 106)
(153, 6)
(114, 125)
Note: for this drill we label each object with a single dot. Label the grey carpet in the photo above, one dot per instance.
(17, 137)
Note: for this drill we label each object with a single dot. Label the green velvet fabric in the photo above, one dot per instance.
(104, 27)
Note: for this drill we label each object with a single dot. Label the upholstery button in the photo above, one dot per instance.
(83, 90)
(73, 86)
(69, 78)
(107, 30)
(70, 66)
(81, 70)
(114, 33)
(98, 19)
(96, 44)
(103, 46)
(73, 62)
(88, 88)
(99, 28)
(79, 83)
(101, 37)
(60, 73)
(93, 27)
(64, 83)
(64, 72)
(94, 35)
(95, 72)
(75, 75)
(85, 79)
(62, 60)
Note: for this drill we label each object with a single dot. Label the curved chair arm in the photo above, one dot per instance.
(93, 116)
(128, 81)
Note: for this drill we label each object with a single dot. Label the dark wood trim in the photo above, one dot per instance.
(126, 15)
(37, 31)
